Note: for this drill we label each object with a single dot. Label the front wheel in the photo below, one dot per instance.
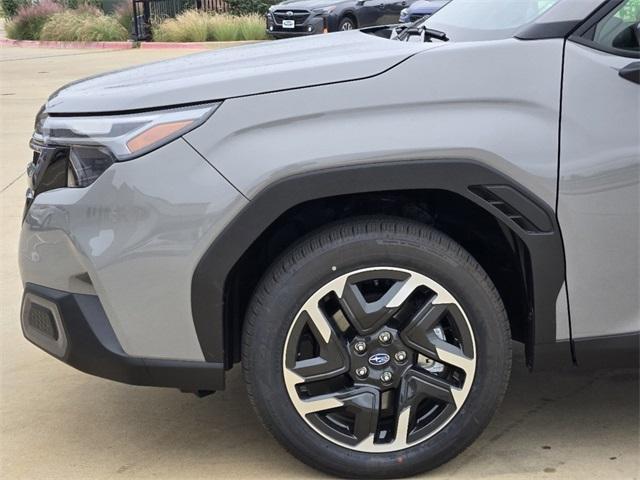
(346, 24)
(376, 348)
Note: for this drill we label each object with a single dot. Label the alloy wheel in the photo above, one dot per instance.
(379, 359)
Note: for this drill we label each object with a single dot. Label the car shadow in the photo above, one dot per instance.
(544, 418)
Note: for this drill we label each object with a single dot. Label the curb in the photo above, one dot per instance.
(193, 45)
(63, 45)
(124, 45)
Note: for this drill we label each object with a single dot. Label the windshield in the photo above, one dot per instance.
(469, 20)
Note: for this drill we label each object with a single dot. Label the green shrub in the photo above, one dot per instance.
(252, 27)
(28, 22)
(11, 7)
(79, 26)
(226, 28)
(245, 7)
(195, 26)
(190, 26)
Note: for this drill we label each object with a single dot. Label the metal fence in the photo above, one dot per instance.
(146, 12)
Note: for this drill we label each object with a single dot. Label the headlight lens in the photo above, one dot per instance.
(123, 136)
(324, 10)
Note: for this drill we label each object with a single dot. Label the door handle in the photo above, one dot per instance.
(631, 72)
(380, 5)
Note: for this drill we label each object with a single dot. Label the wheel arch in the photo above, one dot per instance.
(528, 224)
(350, 14)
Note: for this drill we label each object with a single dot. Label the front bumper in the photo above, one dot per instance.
(75, 329)
(313, 24)
(129, 243)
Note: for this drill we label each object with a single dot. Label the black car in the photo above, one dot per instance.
(308, 17)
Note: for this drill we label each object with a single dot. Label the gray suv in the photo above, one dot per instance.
(364, 220)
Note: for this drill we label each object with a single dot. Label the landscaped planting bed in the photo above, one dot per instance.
(70, 21)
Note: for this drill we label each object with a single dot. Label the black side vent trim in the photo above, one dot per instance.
(515, 206)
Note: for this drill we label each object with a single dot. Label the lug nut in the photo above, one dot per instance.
(386, 377)
(401, 356)
(360, 347)
(384, 337)
(362, 372)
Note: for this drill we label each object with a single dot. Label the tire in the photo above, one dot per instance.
(347, 23)
(290, 353)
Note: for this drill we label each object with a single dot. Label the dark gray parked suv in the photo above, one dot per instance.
(365, 220)
(294, 18)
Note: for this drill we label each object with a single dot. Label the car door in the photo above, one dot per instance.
(392, 9)
(370, 12)
(599, 181)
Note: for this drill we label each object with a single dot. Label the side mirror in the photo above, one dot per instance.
(629, 38)
(361, 2)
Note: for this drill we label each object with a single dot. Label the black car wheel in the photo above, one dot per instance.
(346, 24)
(376, 348)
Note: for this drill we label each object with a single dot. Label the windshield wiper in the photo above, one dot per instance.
(424, 32)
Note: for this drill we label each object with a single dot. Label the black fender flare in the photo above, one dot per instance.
(526, 215)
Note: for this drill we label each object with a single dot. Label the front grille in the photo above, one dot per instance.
(300, 16)
(42, 320)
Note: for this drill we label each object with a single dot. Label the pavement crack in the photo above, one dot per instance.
(12, 182)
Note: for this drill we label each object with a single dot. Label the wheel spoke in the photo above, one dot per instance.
(317, 404)
(364, 403)
(451, 355)
(419, 334)
(320, 322)
(366, 316)
(332, 359)
(400, 437)
(418, 386)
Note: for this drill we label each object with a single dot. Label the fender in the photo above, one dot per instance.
(528, 217)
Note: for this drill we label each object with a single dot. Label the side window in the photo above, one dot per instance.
(619, 30)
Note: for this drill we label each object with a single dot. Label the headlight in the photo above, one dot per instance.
(124, 136)
(404, 12)
(93, 143)
(324, 10)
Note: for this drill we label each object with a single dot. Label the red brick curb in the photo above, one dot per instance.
(123, 45)
(192, 45)
(46, 44)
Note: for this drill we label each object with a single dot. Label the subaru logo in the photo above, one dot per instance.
(379, 359)
(289, 14)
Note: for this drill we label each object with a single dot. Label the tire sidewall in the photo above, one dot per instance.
(345, 20)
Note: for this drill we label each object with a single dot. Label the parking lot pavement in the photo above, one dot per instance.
(60, 423)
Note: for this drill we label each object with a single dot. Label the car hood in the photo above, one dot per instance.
(427, 6)
(233, 72)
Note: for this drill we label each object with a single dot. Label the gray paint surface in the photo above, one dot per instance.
(245, 70)
(139, 239)
(432, 107)
(309, 104)
(599, 201)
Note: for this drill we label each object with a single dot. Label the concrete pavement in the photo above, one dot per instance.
(57, 423)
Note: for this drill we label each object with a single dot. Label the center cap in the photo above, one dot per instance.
(379, 359)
